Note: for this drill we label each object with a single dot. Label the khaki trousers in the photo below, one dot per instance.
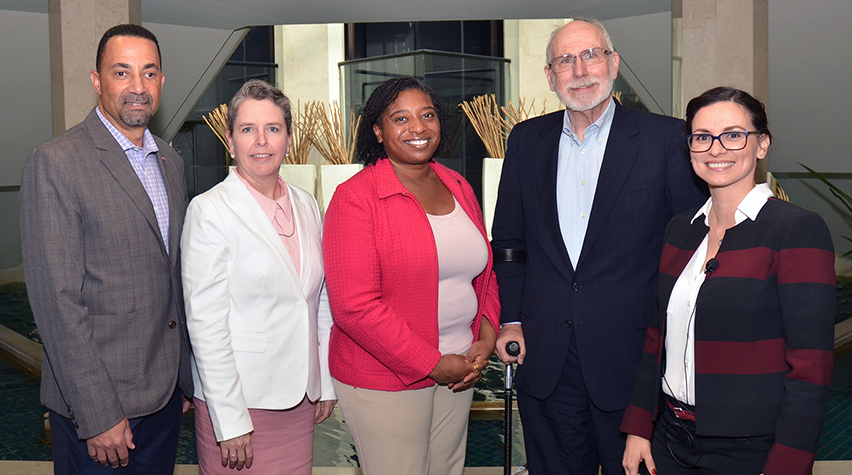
(416, 432)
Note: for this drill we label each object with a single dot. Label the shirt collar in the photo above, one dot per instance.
(267, 204)
(598, 129)
(148, 143)
(749, 207)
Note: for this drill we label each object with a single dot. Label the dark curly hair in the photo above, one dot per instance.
(367, 148)
(755, 108)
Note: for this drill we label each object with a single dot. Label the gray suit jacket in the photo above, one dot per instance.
(106, 296)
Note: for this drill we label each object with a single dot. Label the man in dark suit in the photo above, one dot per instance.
(102, 208)
(584, 199)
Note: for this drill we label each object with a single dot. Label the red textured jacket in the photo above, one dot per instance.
(381, 268)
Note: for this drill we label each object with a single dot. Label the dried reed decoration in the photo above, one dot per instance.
(217, 120)
(484, 114)
(515, 115)
(303, 125)
(328, 135)
(493, 124)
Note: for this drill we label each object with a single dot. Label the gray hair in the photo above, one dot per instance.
(596, 23)
(259, 91)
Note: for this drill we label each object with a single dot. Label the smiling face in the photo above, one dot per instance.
(129, 83)
(259, 141)
(582, 87)
(721, 168)
(409, 129)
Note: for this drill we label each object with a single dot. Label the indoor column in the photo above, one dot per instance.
(720, 43)
(76, 26)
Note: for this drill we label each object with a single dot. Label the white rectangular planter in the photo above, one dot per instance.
(302, 175)
(333, 175)
(492, 169)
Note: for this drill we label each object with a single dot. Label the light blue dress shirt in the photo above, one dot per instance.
(144, 162)
(577, 178)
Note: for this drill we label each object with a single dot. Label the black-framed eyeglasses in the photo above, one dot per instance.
(731, 141)
(588, 57)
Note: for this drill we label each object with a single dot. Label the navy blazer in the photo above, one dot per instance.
(606, 297)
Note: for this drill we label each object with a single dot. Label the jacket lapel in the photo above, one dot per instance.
(546, 157)
(618, 159)
(256, 222)
(115, 160)
(176, 202)
(306, 237)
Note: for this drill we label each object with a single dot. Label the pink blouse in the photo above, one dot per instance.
(280, 214)
(462, 255)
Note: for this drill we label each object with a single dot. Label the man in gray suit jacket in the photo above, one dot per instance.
(102, 207)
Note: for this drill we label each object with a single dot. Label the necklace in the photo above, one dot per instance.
(716, 236)
(292, 219)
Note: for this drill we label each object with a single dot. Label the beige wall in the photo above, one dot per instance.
(525, 43)
(26, 100)
(307, 57)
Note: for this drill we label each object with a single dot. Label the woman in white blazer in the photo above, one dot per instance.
(256, 310)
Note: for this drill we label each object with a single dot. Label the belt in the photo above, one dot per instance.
(681, 410)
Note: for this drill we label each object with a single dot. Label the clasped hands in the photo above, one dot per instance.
(460, 372)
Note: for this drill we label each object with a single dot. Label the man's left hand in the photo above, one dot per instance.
(110, 447)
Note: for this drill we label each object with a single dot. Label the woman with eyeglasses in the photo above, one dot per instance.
(737, 361)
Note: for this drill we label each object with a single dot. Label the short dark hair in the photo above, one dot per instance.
(259, 91)
(125, 30)
(368, 149)
(755, 108)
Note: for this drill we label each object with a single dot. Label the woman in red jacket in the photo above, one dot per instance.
(412, 292)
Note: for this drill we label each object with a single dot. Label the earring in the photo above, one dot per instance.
(232, 156)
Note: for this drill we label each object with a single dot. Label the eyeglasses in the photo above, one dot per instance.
(588, 57)
(731, 141)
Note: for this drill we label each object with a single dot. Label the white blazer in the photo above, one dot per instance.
(259, 332)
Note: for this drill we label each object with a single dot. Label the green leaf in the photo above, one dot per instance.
(840, 194)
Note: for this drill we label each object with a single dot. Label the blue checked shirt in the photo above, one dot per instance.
(144, 162)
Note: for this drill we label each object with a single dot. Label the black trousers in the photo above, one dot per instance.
(677, 450)
(566, 434)
(155, 437)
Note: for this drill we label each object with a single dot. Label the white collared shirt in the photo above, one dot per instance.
(679, 380)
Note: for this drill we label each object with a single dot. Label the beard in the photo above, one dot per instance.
(586, 101)
(136, 117)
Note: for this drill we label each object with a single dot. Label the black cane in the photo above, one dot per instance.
(514, 349)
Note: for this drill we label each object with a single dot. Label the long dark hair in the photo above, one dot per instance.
(755, 108)
(367, 148)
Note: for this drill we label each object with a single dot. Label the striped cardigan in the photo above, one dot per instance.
(764, 332)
